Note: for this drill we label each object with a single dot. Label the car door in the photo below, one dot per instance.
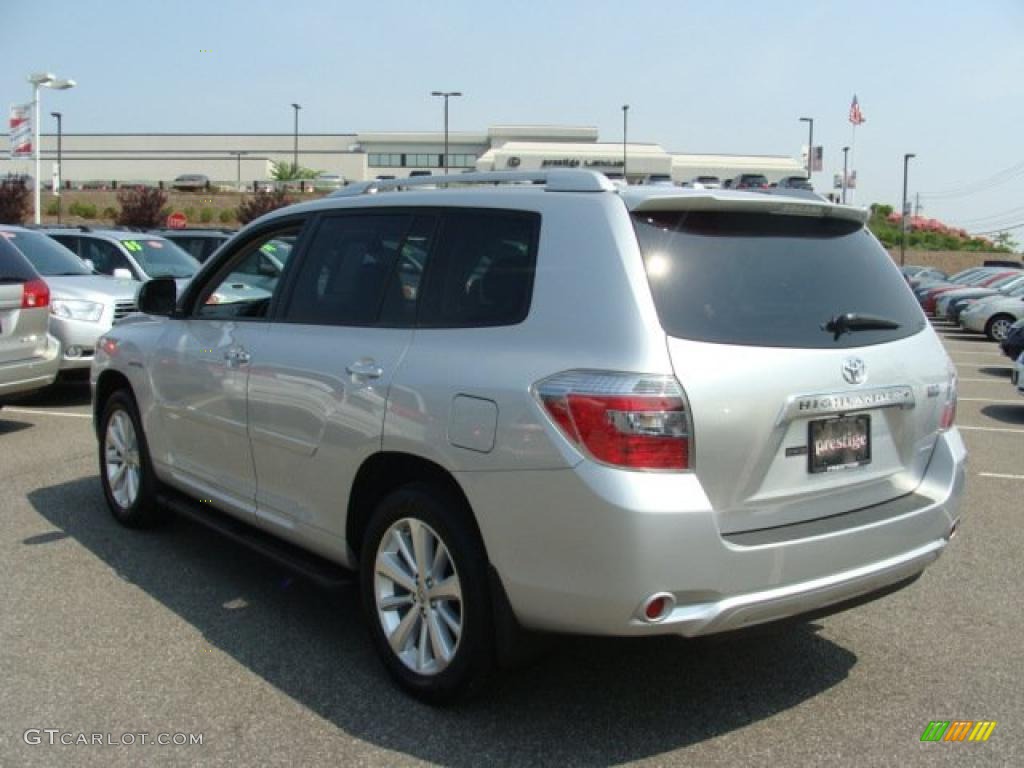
(317, 396)
(200, 376)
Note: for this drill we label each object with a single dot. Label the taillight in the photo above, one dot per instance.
(623, 419)
(34, 294)
(949, 404)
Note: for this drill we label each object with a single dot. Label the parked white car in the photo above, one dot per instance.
(993, 317)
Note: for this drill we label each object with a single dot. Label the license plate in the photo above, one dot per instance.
(841, 443)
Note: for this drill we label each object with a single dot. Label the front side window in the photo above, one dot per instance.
(244, 288)
(104, 256)
(482, 273)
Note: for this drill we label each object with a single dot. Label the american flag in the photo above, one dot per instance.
(856, 116)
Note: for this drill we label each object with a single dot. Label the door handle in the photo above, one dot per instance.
(366, 369)
(237, 356)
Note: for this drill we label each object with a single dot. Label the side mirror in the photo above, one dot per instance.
(90, 264)
(158, 296)
(123, 274)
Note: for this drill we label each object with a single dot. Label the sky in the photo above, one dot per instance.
(942, 80)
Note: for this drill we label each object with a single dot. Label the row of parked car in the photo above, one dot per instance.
(63, 288)
(988, 299)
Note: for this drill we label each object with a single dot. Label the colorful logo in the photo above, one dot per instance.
(958, 730)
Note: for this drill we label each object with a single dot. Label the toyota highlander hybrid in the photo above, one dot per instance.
(550, 404)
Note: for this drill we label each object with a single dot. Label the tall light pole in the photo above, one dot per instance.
(846, 153)
(446, 95)
(295, 153)
(238, 167)
(810, 144)
(625, 127)
(60, 166)
(42, 80)
(903, 214)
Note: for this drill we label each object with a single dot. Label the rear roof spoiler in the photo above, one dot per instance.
(751, 202)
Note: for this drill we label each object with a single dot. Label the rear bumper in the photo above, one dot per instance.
(34, 373)
(581, 550)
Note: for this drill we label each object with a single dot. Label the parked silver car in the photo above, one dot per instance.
(83, 305)
(29, 355)
(563, 406)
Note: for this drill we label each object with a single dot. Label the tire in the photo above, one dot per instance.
(131, 493)
(423, 618)
(999, 326)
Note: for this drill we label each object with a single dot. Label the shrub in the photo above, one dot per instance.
(190, 213)
(262, 202)
(109, 213)
(52, 206)
(84, 210)
(206, 215)
(13, 201)
(141, 207)
(227, 216)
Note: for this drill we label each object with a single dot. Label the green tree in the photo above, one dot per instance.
(1005, 240)
(285, 171)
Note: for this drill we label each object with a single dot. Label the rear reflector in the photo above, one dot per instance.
(949, 404)
(623, 419)
(34, 294)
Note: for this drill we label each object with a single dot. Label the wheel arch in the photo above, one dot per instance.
(109, 382)
(386, 471)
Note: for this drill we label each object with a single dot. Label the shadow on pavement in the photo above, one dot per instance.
(589, 701)
(8, 427)
(64, 392)
(1003, 373)
(1008, 414)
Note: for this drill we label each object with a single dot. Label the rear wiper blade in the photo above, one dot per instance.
(853, 321)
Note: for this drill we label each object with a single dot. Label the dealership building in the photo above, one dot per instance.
(247, 157)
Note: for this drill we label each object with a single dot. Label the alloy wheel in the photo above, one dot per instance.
(121, 451)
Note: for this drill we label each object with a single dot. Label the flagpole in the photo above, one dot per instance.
(853, 162)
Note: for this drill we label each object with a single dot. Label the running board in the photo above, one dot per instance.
(317, 569)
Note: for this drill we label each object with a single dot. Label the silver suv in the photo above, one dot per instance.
(551, 404)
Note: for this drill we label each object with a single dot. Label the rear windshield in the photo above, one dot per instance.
(770, 280)
(13, 266)
(49, 257)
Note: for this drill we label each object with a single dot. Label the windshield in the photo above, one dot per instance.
(49, 257)
(161, 258)
(770, 280)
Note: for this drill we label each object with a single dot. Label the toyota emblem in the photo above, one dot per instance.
(855, 370)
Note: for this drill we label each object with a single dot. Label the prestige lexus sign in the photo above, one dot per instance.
(575, 162)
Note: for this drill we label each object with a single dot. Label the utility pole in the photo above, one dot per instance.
(625, 125)
(904, 210)
(917, 204)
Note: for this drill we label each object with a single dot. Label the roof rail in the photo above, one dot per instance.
(558, 180)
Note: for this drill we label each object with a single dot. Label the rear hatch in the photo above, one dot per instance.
(793, 418)
(24, 307)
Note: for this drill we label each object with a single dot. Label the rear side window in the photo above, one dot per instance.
(482, 271)
(14, 268)
(770, 280)
(346, 270)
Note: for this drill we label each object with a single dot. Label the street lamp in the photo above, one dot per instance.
(446, 95)
(60, 167)
(810, 144)
(295, 154)
(903, 215)
(625, 125)
(42, 80)
(846, 152)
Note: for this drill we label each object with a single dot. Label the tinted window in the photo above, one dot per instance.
(244, 287)
(770, 280)
(49, 257)
(104, 256)
(345, 270)
(405, 283)
(482, 271)
(14, 268)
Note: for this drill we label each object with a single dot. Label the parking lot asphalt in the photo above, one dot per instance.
(109, 631)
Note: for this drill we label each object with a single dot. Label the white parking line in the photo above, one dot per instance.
(962, 427)
(1001, 476)
(989, 400)
(978, 354)
(992, 380)
(6, 409)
